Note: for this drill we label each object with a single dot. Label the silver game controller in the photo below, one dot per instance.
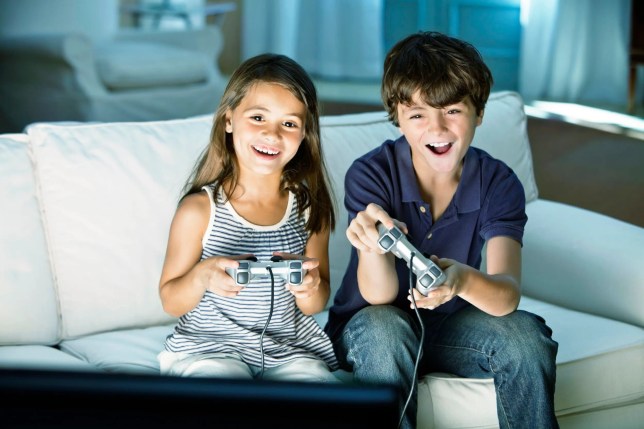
(288, 269)
(429, 275)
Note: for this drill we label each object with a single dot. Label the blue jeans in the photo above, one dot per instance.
(379, 344)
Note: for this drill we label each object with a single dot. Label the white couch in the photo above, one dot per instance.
(85, 215)
(134, 75)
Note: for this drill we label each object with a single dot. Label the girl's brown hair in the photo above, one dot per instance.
(444, 69)
(305, 175)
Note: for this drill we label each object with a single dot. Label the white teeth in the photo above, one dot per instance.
(265, 150)
(438, 144)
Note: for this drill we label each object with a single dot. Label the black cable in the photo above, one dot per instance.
(270, 314)
(422, 338)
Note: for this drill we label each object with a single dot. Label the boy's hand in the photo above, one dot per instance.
(362, 232)
(443, 293)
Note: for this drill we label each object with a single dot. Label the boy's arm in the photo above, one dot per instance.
(496, 292)
(377, 278)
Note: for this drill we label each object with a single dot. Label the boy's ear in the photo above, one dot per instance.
(479, 120)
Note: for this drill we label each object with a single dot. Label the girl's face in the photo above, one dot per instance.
(439, 138)
(267, 128)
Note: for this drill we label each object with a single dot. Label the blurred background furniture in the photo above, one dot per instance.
(636, 51)
(135, 75)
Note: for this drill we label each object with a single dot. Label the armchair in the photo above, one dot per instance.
(136, 76)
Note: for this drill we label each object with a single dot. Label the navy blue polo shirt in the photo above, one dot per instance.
(489, 202)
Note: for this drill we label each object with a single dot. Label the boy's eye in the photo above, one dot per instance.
(453, 111)
(256, 118)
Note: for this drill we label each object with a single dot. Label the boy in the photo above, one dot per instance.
(450, 199)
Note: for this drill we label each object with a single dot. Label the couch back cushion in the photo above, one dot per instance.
(503, 134)
(109, 192)
(28, 306)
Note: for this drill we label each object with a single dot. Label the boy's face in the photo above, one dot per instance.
(439, 138)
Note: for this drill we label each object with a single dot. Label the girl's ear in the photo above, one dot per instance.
(229, 121)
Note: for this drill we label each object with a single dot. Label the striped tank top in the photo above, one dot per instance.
(221, 324)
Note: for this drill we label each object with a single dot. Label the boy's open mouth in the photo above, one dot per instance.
(439, 148)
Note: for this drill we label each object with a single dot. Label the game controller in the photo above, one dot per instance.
(288, 269)
(429, 275)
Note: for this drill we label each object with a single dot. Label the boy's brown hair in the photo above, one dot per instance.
(444, 69)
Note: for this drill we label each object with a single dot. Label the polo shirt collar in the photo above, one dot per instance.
(466, 199)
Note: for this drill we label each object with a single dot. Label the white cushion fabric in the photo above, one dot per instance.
(41, 357)
(28, 306)
(587, 346)
(130, 351)
(503, 134)
(109, 192)
(129, 65)
(562, 271)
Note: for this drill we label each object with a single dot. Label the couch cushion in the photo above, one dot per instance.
(126, 351)
(109, 192)
(584, 239)
(503, 134)
(41, 357)
(28, 306)
(131, 65)
(588, 345)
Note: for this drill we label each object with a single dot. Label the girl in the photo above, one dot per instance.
(260, 189)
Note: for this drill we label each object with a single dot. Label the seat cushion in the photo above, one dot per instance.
(41, 358)
(110, 192)
(28, 305)
(132, 65)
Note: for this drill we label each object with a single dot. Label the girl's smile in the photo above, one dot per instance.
(267, 128)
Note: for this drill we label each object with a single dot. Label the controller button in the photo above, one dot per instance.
(243, 265)
(386, 242)
(426, 280)
(396, 233)
(242, 278)
(435, 271)
(295, 278)
(296, 265)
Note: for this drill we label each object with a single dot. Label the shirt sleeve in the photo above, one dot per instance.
(503, 211)
(370, 180)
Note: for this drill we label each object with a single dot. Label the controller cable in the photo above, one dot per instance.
(270, 315)
(422, 338)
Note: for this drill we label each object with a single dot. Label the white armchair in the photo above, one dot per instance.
(136, 76)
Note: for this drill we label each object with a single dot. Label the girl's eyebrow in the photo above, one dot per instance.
(300, 116)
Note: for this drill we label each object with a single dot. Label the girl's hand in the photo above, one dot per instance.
(362, 232)
(311, 281)
(213, 275)
(443, 293)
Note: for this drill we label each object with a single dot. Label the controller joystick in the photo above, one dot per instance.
(428, 274)
(288, 269)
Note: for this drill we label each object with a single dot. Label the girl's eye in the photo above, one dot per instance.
(290, 124)
(256, 118)
(415, 117)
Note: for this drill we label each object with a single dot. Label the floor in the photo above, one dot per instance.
(587, 156)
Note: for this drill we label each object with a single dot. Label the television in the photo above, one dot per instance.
(70, 400)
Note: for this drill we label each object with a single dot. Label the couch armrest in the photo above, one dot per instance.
(208, 40)
(54, 62)
(584, 261)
